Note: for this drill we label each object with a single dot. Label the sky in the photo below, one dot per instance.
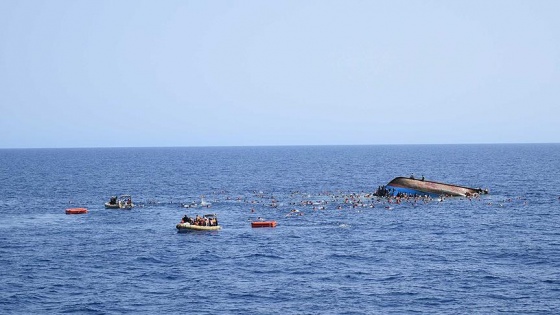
(134, 73)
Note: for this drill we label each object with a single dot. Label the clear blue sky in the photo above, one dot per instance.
(205, 73)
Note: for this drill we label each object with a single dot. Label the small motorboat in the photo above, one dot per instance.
(76, 211)
(208, 222)
(122, 202)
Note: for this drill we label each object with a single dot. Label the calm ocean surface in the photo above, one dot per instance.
(496, 254)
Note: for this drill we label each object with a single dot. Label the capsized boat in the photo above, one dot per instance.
(208, 222)
(122, 202)
(422, 187)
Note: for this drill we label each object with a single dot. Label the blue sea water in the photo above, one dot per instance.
(496, 254)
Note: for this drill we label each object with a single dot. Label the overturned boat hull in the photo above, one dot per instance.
(410, 186)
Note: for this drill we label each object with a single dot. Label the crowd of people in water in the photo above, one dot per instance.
(297, 200)
(297, 203)
(201, 221)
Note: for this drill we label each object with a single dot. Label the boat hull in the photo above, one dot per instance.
(410, 186)
(187, 227)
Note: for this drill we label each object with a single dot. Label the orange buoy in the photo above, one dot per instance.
(76, 211)
(258, 224)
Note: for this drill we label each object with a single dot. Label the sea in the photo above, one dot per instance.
(336, 249)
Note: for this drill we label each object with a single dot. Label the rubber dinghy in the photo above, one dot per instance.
(208, 222)
(412, 186)
(187, 227)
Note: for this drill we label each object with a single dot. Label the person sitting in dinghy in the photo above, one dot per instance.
(186, 219)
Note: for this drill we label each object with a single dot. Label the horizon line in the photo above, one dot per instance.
(274, 145)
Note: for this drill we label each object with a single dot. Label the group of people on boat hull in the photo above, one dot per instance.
(200, 221)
